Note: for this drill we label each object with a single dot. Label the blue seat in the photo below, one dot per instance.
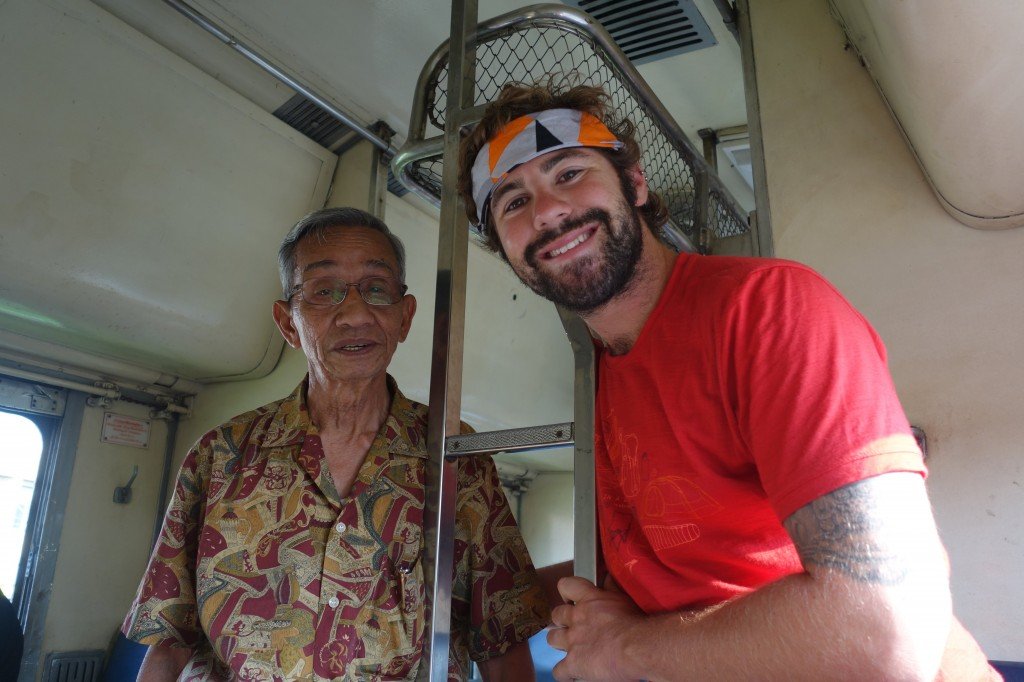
(124, 661)
(1012, 671)
(544, 657)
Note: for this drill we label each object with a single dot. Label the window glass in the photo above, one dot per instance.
(21, 446)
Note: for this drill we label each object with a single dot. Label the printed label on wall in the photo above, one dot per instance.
(120, 429)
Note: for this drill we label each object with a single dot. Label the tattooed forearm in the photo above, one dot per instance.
(847, 531)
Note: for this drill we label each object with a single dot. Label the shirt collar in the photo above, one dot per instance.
(403, 432)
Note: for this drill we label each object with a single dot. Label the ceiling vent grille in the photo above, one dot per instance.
(394, 186)
(648, 30)
(316, 123)
(312, 120)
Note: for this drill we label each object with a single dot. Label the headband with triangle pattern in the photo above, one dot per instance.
(527, 137)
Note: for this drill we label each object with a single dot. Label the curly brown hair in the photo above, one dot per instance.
(518, 99)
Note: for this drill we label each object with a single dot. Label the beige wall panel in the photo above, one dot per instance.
(103, 546)
(952, 71)
(849, 199)
(547, 519)
(117, 153)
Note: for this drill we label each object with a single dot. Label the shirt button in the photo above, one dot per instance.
(341, 527)
(333, 602)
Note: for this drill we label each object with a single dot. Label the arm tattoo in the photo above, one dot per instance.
(846, 531)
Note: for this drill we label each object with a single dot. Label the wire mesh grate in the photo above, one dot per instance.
(533, 49)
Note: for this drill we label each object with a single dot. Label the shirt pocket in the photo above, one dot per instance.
(404, 609)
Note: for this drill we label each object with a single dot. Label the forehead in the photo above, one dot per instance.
(547, 162)
(346, 246)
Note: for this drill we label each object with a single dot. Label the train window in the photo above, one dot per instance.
(19, 466)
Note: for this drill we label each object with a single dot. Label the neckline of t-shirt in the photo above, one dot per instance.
(683, 260)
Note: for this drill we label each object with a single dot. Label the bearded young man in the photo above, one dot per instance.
(761, 498)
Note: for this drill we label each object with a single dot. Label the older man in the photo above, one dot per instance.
(761, 498)
(291, 549)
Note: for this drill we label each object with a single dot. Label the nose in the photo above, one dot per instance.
(549, 209)
(353, 311)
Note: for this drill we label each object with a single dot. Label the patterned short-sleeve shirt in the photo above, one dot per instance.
(267, 574)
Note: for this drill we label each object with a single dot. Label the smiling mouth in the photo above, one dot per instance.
(354, 347)
(566, 248)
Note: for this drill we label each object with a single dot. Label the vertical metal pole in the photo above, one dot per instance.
(52, 491)
(762, 227)
(165, 478)
(584, 486)
(379, 172)
(710, 138)
(701, 202)
(446, 365)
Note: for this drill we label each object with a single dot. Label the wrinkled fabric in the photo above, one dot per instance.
(268, 574)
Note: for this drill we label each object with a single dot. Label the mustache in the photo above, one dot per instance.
(568, 225)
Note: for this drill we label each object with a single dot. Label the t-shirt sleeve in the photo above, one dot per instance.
(812, 393)
(164, 611)
(506, 603)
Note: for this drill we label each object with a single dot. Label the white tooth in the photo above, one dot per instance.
(571, 245)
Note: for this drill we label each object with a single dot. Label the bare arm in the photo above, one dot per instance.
(163, 664)
(873, 603)
(514, 665)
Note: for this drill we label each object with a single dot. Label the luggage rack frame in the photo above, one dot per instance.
(531, 43)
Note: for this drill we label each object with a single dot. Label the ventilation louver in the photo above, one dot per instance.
(319, 125)
(394, 186)
(73, 666)
(648, 30)
(312, 120)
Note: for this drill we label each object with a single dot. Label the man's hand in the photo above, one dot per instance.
(594, 628)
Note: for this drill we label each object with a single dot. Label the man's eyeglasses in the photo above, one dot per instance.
(326, 291)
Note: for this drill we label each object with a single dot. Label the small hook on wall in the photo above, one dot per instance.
(123, 493)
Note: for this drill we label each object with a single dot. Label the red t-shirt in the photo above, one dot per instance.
(753, 389)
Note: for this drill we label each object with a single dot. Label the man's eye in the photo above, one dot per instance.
(569, 174)
(514, 204)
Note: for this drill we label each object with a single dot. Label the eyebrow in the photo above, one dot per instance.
(555, 159)
(505, 188)
(545, 167)
(327, 262)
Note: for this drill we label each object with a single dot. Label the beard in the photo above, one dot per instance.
(590, 281)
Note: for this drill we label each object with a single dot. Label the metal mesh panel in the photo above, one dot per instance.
(534, 48)
(722, 219)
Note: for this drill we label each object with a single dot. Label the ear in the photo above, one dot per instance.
(286, 323)
(636, 176)
(408, 311)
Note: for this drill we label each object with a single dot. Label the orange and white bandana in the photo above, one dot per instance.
(527, 137)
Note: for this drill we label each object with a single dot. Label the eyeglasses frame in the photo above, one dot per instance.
(297, 289)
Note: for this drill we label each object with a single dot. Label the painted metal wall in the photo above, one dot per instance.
(118, 155)
(849, 199)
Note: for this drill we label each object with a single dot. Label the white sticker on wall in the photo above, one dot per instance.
(120, 429)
